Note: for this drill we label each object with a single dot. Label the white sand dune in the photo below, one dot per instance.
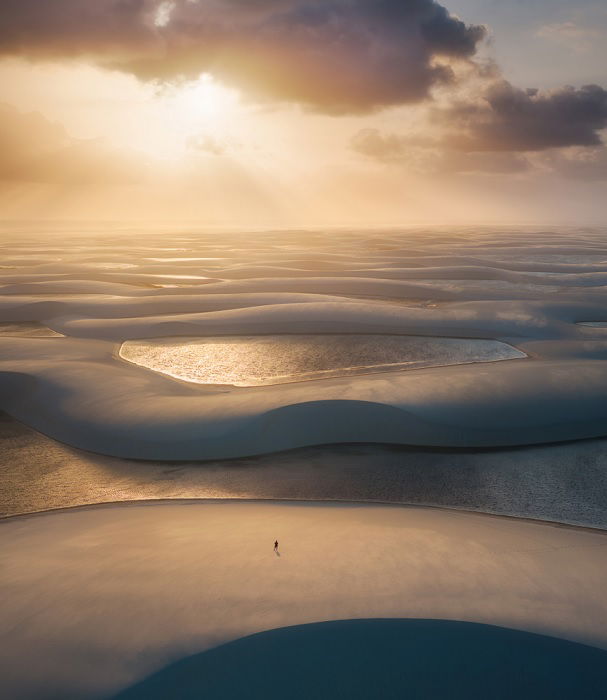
(31, 308)
(529, 288)
(471, 319)
(93, 600)
(391, 288)
(142, 278)
(67, 287)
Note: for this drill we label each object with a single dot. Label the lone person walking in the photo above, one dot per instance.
(275, 545)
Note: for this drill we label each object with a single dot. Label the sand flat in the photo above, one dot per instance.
(95, 599)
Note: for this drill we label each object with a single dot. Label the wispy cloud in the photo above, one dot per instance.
(37, 150)
(433, 157)
(569, 34)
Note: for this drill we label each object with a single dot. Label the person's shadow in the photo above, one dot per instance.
(277, 552)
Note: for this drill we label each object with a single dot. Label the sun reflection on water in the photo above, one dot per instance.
(262, 360)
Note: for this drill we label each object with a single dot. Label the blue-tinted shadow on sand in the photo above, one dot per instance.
(385, 658)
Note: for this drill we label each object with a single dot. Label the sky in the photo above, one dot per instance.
(303, 112)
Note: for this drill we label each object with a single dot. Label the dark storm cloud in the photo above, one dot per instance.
(490, 134)
(331, 55)
(511, 119)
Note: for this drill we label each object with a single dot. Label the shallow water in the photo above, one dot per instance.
(261, 360)
(26, 329)
(565, 483)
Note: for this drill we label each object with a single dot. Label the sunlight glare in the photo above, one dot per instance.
(197, 109)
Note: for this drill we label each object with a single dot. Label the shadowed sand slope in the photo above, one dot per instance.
(361, 659)
(95, 600)
(78, 392)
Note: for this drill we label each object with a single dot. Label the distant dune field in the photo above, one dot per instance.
(436, 297)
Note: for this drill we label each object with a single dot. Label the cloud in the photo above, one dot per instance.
(208, 144)
(569, 34)
(333, 56)
(487, 163)
(507, 118)
(387, 148)
(431, 157)
(588, 164)
(35, 149)
(498, 131)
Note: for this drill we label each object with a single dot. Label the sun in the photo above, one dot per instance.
(202, 101)
(197, 109)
